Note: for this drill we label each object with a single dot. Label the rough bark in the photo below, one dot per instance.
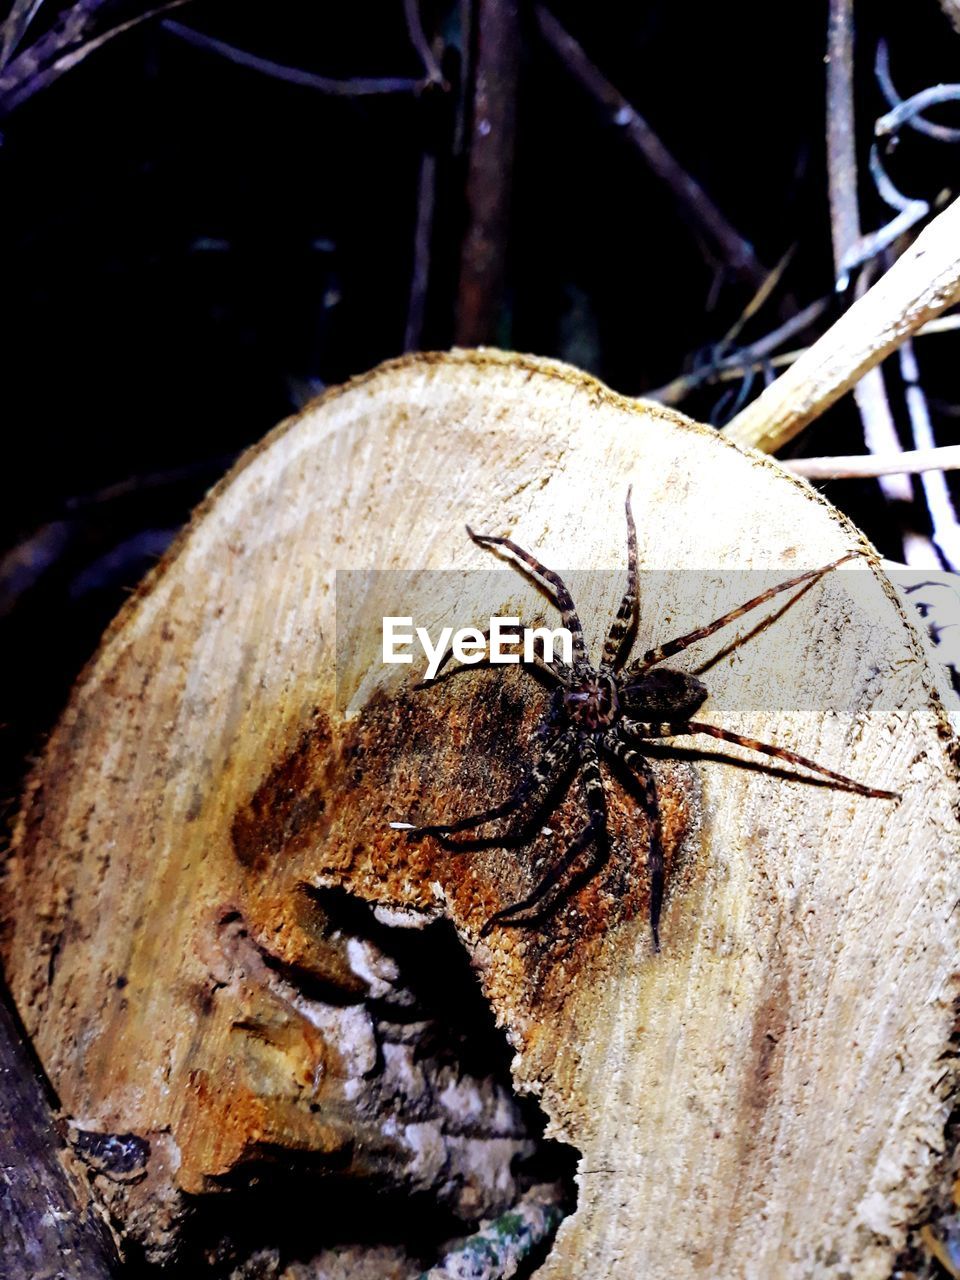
(49, 1226)
(765, 1097)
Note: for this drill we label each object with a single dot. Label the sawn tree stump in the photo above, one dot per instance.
(765, 1097)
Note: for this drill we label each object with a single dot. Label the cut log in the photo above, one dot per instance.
(189, 931)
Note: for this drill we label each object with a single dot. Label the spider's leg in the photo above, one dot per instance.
(506, 918)
(653, 656)
(541, 573)
(641, 729)
(639, 767)
(555, 670)
(594, 831)
(537, 785)
(615, 648)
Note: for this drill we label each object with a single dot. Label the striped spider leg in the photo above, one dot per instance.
(609, 711)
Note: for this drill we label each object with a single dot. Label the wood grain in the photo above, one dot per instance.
(765, 1097)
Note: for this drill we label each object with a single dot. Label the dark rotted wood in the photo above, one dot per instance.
(48, 1227)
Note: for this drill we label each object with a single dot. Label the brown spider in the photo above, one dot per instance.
(611, 710)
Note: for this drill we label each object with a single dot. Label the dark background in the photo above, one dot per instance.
(193, 249)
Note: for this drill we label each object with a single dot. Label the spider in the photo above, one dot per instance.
(610, 710)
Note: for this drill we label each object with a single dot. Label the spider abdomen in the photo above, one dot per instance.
(663, 694)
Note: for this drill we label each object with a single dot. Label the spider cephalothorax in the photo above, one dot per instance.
(592, 699)
(611, 710)
(595, 699)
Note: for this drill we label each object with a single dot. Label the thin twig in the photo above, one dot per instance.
(870, 395)
(917, 548)
(906, 112)
(14, 27)
(943, 517)
(921, 284)
(422, 237)
(909, 117)
(761, 296)
(71, 28)
(697, 207)
(355, 87)
(936, 492)
(880, 429)
(430, 56)
(28, 73)
(865, 466)
(909, 213)
(732, 366)
(752, 358)
(418, 38)
(489, 173)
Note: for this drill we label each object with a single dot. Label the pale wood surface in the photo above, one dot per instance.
(765, 1096)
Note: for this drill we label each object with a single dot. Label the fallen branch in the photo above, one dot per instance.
(239, 997)
(920, 285)
(700, 211)
(864, 466)
(354, 87)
